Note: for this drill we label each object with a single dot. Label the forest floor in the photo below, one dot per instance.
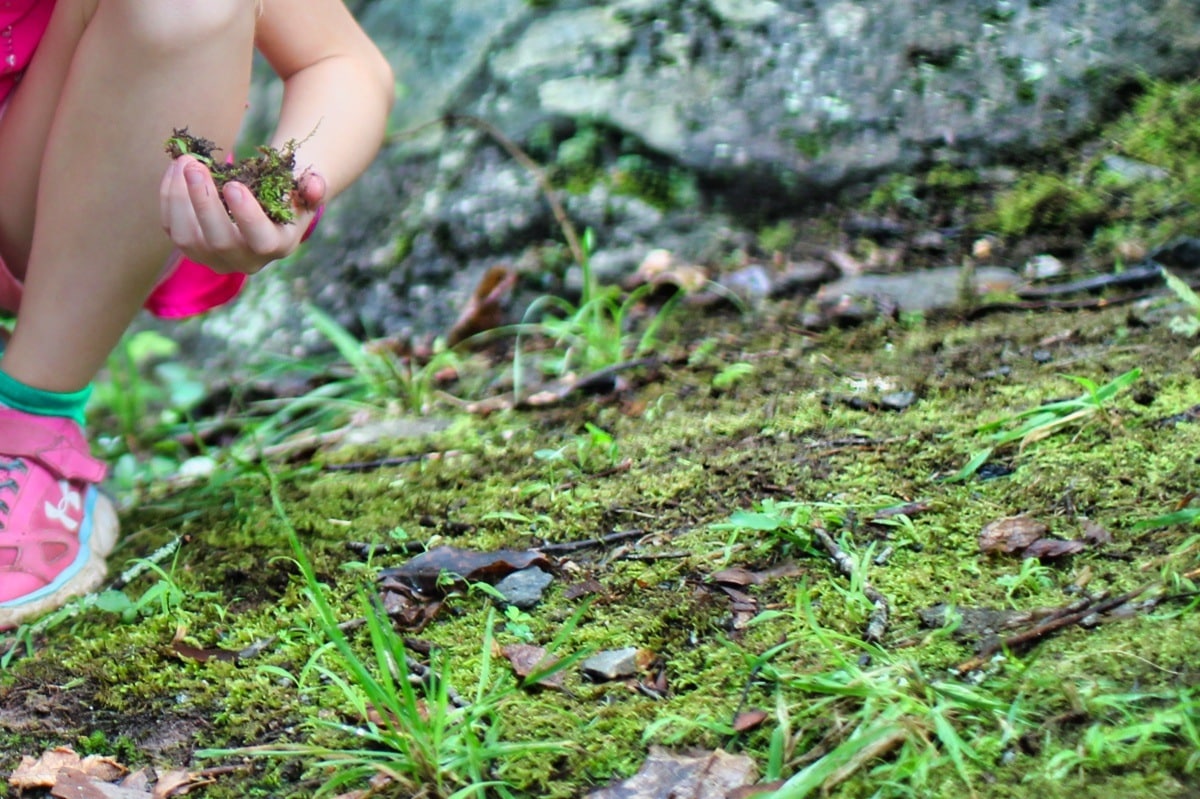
(749, 638)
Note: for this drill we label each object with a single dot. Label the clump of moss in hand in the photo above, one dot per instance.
(270, 175)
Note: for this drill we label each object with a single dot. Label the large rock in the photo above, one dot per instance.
(745, 107)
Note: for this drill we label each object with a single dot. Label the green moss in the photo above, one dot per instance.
(1045, 202)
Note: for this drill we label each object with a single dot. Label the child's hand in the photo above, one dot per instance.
(196, 219)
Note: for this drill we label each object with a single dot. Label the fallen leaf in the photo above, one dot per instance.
(749, 719)
(585, 588)
(139, 780)
(1011, 534)
(669, 775)
(42, 772)
(527, 659)
(735, 576)
(485, 309)
(426, 571)
(74, 784)
(179, 782)
(189, 652)
(1053, 548)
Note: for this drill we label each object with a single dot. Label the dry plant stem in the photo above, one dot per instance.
(587, 543)
(877, 623)
(522, 158)
(1052, 625)
(384, 463)
(863, 757)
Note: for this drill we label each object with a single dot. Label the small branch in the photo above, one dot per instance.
(587, 543)
(877, 623)
(1052, 624)
(522, 158)
(385, 463)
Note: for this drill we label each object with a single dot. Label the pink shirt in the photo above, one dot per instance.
(22, 24)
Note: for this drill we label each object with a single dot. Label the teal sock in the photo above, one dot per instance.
(70, 404)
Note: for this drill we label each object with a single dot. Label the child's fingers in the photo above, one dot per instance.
(218, 231)
(165, 194)
(179, 217)
(261, 235)
(312, 190)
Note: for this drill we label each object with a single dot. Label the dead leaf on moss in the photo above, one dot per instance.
(198, 654)
(750, 719)
(527, 659)
(671, 775)
(1011, 534)
(426, 571)
(42, 772)
(1052, 548)
(178, 782)
(73, 784)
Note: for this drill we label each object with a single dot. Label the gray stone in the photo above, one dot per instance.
(926, 290)
(524, 588)
(612, 664)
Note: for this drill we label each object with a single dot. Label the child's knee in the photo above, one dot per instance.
(169, 26)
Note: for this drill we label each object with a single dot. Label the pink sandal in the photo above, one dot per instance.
(56, 528)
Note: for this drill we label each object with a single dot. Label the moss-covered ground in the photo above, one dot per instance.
(697, 456)
(730, 459)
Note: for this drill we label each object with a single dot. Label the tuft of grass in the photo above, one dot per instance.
(592, 335)
(414, 731)
(1045, 420)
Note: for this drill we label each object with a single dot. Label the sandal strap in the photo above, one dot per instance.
(55, 443)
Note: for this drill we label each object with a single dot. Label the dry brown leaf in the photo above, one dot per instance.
(74, 784)
(178, 782)
(1052, 548)
(527, 659)
(749, 719)
(42, 772)
(426, 571)
(485, 309)
(1011, 534)
(669, 775)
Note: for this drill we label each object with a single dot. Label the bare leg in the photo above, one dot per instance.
(107, 86)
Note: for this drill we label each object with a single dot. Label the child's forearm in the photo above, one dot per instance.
(337, 109)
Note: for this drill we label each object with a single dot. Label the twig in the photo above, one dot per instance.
(651, 558)
(877, 622)
(384, 463)
(522, 158)
(601, 541)
(1052, 624)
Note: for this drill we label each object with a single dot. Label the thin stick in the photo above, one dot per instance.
(1046, 628)
(600, 541)
(877, 623)
(522, 158)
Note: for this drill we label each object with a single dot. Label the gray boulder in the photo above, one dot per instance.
(679, 124)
